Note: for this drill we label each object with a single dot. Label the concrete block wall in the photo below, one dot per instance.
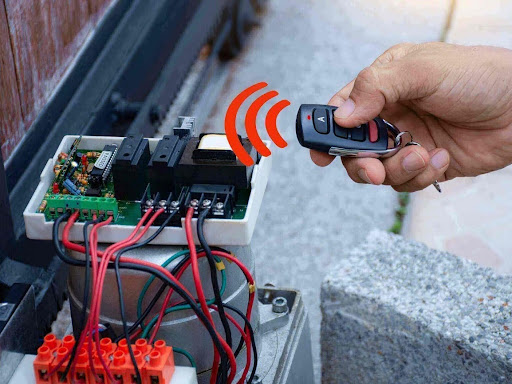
(395, 311)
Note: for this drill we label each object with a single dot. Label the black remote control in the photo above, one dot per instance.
(317, 130)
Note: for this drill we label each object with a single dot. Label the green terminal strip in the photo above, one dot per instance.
(88, 206)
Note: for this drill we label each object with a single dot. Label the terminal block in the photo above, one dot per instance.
(88, 206)
(160, 366)
(217, 198)
(155, 362)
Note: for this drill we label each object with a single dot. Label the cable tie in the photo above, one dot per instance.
(220, 265)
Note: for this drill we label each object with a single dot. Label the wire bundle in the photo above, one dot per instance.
(97, 263)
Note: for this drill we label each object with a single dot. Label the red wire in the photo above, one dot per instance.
(247, 340)
(76, 247)
(200, 293)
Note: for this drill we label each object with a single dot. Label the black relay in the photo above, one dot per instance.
(129, 169)
(164, 162)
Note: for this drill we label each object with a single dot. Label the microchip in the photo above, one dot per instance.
(96, 192)
(102, 166)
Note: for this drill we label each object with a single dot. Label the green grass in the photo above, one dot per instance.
(403, 202)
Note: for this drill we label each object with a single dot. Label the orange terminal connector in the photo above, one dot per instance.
(160, 366)
(42, 364)
(62, 353)
(98, 368)
(51, 341)
(108, 346)
(122, 367)
(143, 346)
(68, 342)
(82, 367)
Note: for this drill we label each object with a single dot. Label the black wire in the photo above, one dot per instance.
(123, 319)
(85, 300)
(251, 335)
(215, 282)
(121, 294)
(131, 266)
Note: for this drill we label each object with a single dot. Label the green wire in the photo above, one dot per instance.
(187, 355)
(152, 278)
(147, 328)
(153, 321)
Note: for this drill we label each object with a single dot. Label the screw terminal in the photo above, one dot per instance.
(160, 366)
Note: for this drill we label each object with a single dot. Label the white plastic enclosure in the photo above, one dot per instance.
(217, 231)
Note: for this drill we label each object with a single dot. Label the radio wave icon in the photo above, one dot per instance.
(250, 123)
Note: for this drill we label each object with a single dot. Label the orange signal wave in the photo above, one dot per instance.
(271, 123)
(230, 123)
(250, 122)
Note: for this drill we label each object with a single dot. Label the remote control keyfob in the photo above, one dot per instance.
(317, 130)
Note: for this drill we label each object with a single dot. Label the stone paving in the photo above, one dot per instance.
(472, 218)
(307, 50)
(395, 311)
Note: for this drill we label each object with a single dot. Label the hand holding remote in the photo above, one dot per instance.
(456, 101)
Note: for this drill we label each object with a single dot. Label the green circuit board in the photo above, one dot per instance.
(123, 212)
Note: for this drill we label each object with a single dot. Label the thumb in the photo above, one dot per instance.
(376, 86)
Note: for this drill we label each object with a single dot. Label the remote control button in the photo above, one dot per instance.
(340, 131)
(320, 121)
(373, 131)
(357, 134)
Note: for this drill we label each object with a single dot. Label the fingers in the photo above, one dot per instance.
(394, 76)
(405, 165)
(340, 97)
(439, 163)
(410, 170)
(365, 170)
(320, 158)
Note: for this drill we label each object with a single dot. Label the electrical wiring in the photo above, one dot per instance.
(162, 274)
(186, 354)
(176, 308)
(85, 300)
(213, 275)
(251, 335)
(247, 342)
(202, 301)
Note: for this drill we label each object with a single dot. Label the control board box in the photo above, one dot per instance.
(45, 204)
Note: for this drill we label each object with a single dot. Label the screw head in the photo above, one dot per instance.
(194, 202)
(279, 305)
(175, 204)
(207, 203)
(149, 203)
(162, 203)
(219, 205)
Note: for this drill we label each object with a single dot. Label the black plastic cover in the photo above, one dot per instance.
(129, 169)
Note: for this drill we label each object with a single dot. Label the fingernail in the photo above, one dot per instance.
(440, 159)
(413, 162)
(364, 176)
(345, 109)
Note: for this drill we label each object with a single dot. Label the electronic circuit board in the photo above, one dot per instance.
(71, 188)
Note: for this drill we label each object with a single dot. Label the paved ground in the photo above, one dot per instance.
(306, 51)
(473, 217)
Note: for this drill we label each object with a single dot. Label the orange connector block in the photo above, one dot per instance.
(160, 366)
(42, 364)
(122, 368)
(99, 369)
(62, 353)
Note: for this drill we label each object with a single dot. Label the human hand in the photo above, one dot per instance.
(456, 101)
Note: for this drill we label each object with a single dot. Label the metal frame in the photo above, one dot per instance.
(140, 52)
